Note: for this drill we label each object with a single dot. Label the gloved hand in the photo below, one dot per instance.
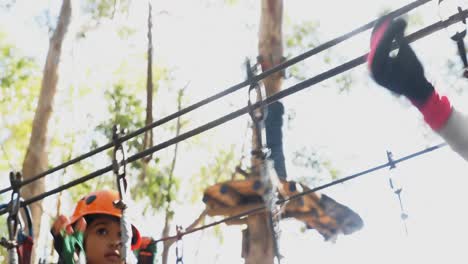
(146, 253)
(402, 74)
(68, 241)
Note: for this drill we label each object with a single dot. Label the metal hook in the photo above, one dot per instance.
(179, 246)
(261, 152)
(119, 166)
(397, 190)
(391, 162)
(458, 37)
(257, 115)
(13, 220)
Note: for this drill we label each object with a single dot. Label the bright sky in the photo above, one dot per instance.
(208, 44)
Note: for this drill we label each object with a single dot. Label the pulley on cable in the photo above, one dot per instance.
(457, 32)
(236, 196)
(397, 189)
(179, 246)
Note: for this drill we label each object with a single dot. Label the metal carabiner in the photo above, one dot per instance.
(119, 164)
(459, 34)
(258, 115)
(119, 169)
(396, 189)
(179, 246)
(13, 220)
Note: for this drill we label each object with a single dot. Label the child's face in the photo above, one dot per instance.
(102, 241)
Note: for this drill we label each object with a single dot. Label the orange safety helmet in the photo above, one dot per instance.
(102, 202)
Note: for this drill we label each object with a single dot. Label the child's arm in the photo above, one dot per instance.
(146, 254)
(403, 74)
(455, 133)
(68, 242)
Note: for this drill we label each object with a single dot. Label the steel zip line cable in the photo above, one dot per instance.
(261, 208)
(291, 90)
(280, 67)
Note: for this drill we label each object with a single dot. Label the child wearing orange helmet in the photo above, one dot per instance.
(92, 234)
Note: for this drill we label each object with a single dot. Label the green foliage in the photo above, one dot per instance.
(303, 37)
(99, 9)
(320, 167)
(154, 183)
(124, 32)
(218, 233)
(343, 82)
(128, 114)
(19, 89)
(16, 72)
(300, 38)
(231, 2)
(159, 188)
(219, 169)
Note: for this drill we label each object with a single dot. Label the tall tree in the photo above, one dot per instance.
(168, 210)
(36, 160)
(148, 138)
(258, 240)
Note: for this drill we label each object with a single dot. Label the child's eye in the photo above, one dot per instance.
(101, 231)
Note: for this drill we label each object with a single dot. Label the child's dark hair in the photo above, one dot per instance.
(92, 217)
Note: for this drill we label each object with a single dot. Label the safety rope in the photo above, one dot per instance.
(273, 98)
(398, 12)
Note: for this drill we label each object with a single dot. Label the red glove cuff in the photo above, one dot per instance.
(375, 41)
(436, 110)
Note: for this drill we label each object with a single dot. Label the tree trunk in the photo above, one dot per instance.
(270, 46)
(148, 138)
(258, 243)
(165, 233)
(169, 215)
(36, 160)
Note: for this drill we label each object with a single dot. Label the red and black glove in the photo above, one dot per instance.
(69, 240)
(147, 251)
(403, 73)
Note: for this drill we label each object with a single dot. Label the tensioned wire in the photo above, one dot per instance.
(298, 195)
(284, 93)
(403, 10)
